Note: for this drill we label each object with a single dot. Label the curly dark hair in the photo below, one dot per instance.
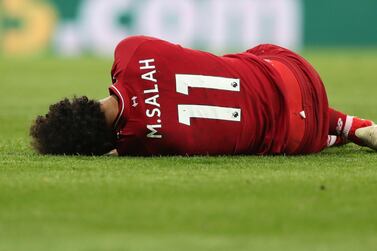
(76, 127)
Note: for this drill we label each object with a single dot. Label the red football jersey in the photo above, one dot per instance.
(174, 100)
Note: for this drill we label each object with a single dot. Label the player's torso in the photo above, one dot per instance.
(180, 101)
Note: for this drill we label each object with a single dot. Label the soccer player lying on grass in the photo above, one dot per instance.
(169, 100)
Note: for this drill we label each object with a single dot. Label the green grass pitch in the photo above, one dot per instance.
(321, 202)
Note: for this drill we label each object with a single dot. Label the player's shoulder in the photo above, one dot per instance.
(134, 40)
(132, 43)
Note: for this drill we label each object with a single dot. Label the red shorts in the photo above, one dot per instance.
(306, 98)
(297, 113)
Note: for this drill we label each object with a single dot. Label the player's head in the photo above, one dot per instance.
(73, 127)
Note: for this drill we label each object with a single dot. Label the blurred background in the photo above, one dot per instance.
(80, 27)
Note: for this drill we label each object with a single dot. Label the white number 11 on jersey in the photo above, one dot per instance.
(186, 112)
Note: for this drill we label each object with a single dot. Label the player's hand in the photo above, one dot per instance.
(112, 153)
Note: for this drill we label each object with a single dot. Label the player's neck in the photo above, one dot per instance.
(110, 108)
